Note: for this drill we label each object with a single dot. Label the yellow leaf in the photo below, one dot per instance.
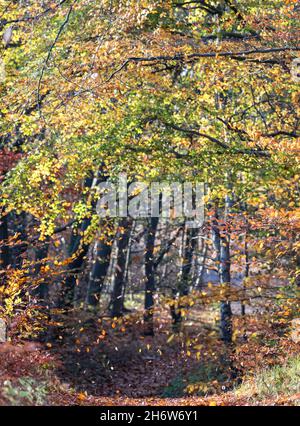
(81, 396)
(171, 338)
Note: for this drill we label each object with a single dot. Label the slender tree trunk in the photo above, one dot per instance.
(21, 247)
(150, 278)
(123, 237)
(247, 261)
(127, 265)
(200, 268)
(99, 270)
(298, 269)
(42, 291)
(247, 268)
(222, 246)
(80, 250)
(189, 248)
(184, 282)
(4, 248)
(226, 314)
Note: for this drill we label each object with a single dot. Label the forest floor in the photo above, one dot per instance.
(110, 362)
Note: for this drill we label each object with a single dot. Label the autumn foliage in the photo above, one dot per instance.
(120, 309)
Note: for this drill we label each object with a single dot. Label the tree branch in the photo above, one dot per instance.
(50, 51)
(31, 18)
(180, 57)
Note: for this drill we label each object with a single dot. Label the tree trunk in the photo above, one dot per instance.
(222, 246)
(99, 270)
(123, 237)
(184, 282)
(128, 261)
(247, 267)
(75, 266)
(150, 279)
(20, 248)
(226, 314)
(4, 248)
(201, 267)
(42, 291)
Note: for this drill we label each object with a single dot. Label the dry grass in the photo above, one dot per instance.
(276, 383)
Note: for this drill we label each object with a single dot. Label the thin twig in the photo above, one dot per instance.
(49, 54)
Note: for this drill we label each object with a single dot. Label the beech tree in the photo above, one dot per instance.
(160, 91)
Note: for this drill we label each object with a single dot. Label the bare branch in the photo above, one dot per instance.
(180, 57)
(50, 51)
